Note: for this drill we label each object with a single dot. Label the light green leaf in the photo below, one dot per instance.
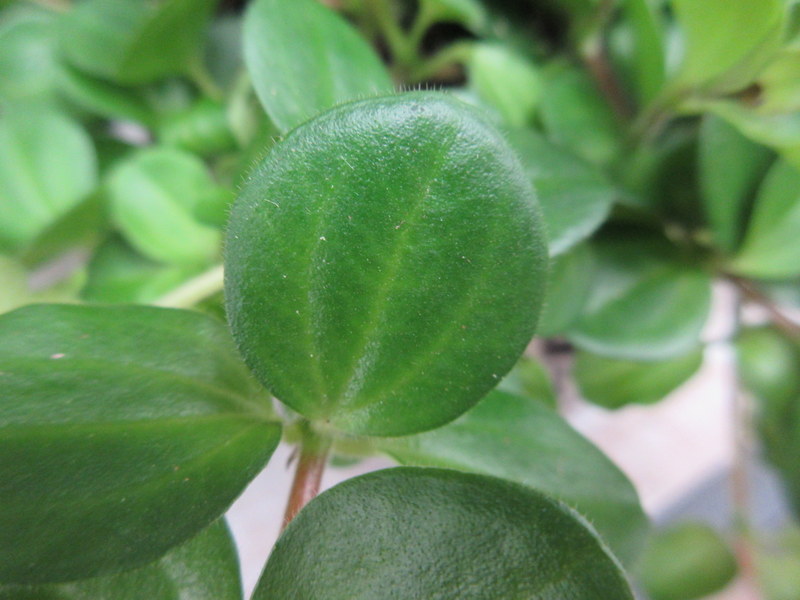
(779, 83)
(506, 81)
(522, 440)
(469, 13)
(392, 273)
(568, 287)
(770, 248)
(576, 198)
(134, 42)
(731, 166)
(123, 432)
(204, 568)
(531, 380)
(614, 383)
(295, 81)
(648, 54)
(203, 128)
(644, 305)
(47, 165)
(154, 198)
(431, 533)
(685, 562)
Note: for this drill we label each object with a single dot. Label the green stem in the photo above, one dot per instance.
(313, 449)
(395, 37)
(457, 53)
(193, 291)
(200, 76)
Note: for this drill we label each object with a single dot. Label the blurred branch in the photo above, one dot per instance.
(193, 291)
(751, 292)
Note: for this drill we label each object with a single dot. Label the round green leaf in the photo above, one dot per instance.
(47, 165)
(523, 440)
(155, 196)
(123, 432)
(204, 568)
(613, 383)
(686, 562)
(384, 266)
(295, 81)
(769, 366)
(409, 533)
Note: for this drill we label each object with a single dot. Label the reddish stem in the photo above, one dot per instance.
(751, 292)
(308, 476)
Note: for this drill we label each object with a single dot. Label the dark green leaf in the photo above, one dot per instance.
(568, 287)
(47, 165)
(132, 42)
(123, 432)
(386, 253)
(295, 81)
(770, 248)
(648, 48)
(613, 383)
(154, 198)
(644, 305)
(204, 568)
(522, 440)
(409, 533)
(686, 562)
(731, 167)
(576, 198)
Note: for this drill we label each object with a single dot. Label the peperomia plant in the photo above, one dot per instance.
(225, 226)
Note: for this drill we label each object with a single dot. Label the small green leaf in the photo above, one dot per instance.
(531, 380)
(575, 196)
(295, 81)
(506, 81)
(685, 562)
(614, 383)
(134, 42)
(727, 43)
(649, 61)
(202, 128)
(154, 197)
(428, 533)
(770, 248)
(645, 304)
(204, 568)
(568, 287)
(469, 13)
(47, 165)
(123, 432)
(779, 83)
(731, 167)
(386, 253)
(522, 440)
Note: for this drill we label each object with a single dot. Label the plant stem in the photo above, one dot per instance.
(751, 292)
(452, 54)
(311, 463)
(200, 76)
(193, 291)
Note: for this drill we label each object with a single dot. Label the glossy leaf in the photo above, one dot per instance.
(644, 304)
(123, 432)
(204, 568)
(295, 81)
(506, 81)
(685, 562)
(385, 254)
(614, 383)
(154, 198)
(568, 287)
(134, 42)
(576, 198)
(727, 43)
(731, 166)
(522, 440)
(770, 248)
(430, 533)
(47, 165)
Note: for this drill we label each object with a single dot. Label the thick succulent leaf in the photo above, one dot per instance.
(123, 432)
(204, 568)
(295, 81)
(613, 383)
(731, 166)
(726, 43)
(568, 287)
(575, 197)
(155, 196)
(522, 440)
(47, 165)
(410, 533)
(133, 42)
(645, 304)
(770, 248)
(685, 562)
(385, 264)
